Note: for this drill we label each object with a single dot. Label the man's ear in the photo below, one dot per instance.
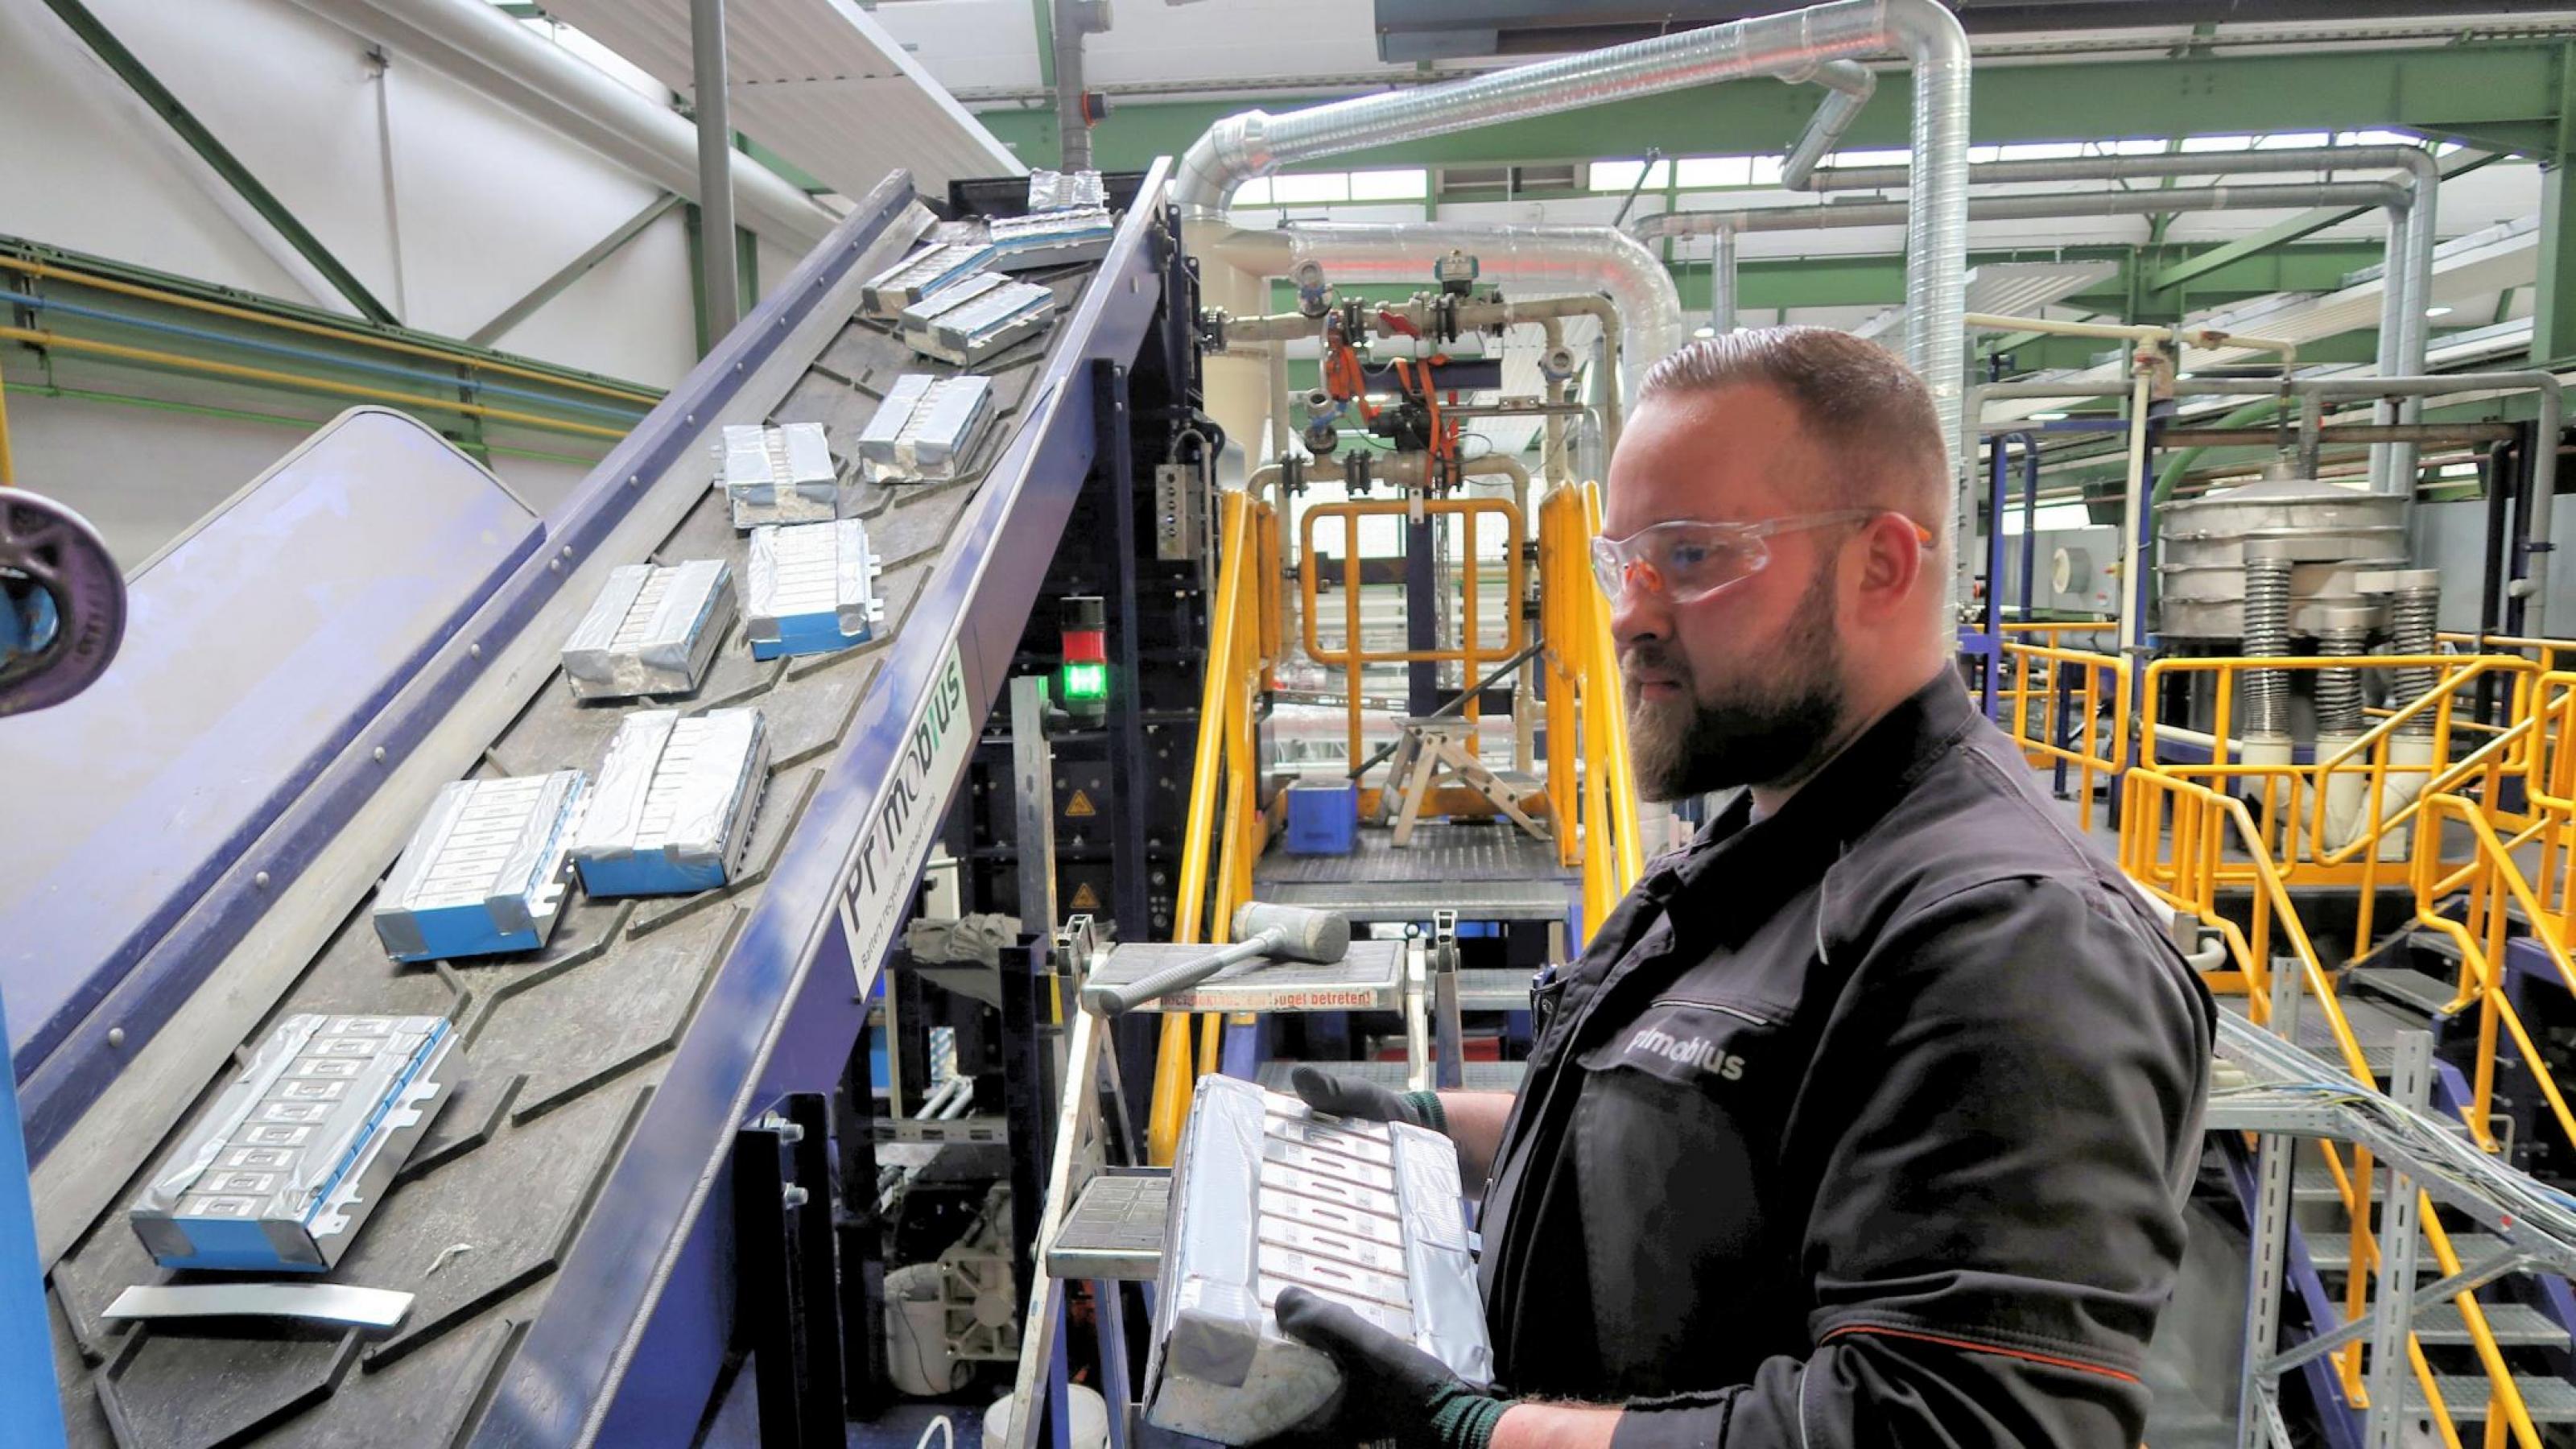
(1893, 556)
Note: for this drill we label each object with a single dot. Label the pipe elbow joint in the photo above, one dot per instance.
(1231, 152)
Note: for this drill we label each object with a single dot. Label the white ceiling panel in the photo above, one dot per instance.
(817, 81)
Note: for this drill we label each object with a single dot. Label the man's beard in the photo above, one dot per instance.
(1781, 712)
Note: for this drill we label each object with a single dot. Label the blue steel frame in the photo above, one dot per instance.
(57, 1094)
(626, 1348)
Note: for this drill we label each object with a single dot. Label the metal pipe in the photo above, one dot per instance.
(2023, 208)
(1849, 85)
(719, 271)
(1072, 126)
(1254, 143)
(1721, 284)
(480, 45)
(2440, 434)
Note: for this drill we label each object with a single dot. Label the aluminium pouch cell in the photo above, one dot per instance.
(301, 1146)
(812, 589)
(1067, 191)
(652, 631)
(928, 428)
(923, 274)
(782, 474)
(1268, 1194)
(486, 872)
(1052, 238)
(670, 811)
(976, 319)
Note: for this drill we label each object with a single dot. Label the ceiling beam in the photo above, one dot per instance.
(2306, 223)
(2471, 90)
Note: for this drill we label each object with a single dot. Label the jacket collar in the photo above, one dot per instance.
(1739, 869)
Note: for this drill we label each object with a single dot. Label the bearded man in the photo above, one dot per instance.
(1868, 1117)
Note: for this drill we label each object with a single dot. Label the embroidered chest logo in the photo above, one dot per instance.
(1693, 1051)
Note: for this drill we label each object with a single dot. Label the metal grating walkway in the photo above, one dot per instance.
(1484, 872)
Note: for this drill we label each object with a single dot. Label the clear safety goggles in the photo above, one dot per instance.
(1686, 561)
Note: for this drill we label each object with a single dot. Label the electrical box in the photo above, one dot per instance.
(1180, 512)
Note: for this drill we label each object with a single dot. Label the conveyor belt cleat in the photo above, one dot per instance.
(652, 630)
(485, 873)
(923, 274)
(928, 428)
(781, 475)
(670, 811)
(977, 318)
(813, 589)
(302, 1146)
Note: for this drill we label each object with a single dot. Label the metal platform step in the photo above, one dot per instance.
(2409, 990)
(2332, 1252)
(2515, 1325)
(1115, 1229)
(2550, 1400)
(1480, 1076)
(2374, 1025)
(1484, 872)
(1495, 988)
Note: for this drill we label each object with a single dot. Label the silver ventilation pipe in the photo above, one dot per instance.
(1797, 43)
(477, 43)
(1721, 283)
(2406, 287)
(1850, 85)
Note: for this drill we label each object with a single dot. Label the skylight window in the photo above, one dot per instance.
(1708, 171)
(1410, 185)
(1622, 175)
(1308, 189)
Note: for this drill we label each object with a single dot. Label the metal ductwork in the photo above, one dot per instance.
(2015, 208)
(1850, 85)
(1796, 45)
(479, 44)
(2404, 332)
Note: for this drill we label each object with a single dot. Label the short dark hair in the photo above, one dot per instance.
(1865, 406)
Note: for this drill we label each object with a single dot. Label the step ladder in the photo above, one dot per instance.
(1436, 748)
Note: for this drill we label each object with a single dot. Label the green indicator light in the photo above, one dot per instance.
(1086, 681)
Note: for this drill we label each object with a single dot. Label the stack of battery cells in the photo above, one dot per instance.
(1052, 238)
(484, 873)
(652, 630)
(971, 321)
(1267, 1194)
(812, 589)
(302, 1146)
(670, 810)
(923, 274)
(928, 428)
(781, 475)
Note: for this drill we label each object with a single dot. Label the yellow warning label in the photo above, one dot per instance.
(1085, 898)
(1081, 805)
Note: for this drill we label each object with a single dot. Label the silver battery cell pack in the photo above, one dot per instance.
(484, 873)
(812, 589)
(1052, 238)
(928, 428)
(670, 810)
(652, 630)
(301, 1146)
(1268, 1194)
(1066, 190)
(781, 475)
(922, 274)
(977, 318)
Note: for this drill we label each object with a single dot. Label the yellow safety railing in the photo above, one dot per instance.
(1352, 655)
(1589, 775)
(2191, 845)
(1226, 826)
(2054, 697)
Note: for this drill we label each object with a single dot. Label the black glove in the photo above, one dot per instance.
(1367, 1101)
(1390, 1389)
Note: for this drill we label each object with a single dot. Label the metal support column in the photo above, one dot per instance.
(716, 239)
(1033, 804)
(2410, 1081)
(2258, 1403)
(786, 1292)
(865, 1376)
(1114, 468)
(2553, 306)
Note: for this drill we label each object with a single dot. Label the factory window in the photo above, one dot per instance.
(2217, 143)
(2136, 146)
(2041, 151)
(2291, 141)
(1255, 192)
(1766, 170)
(1897, 157)
(1293, 190)
(1623, 175)
(1410, 185)
(1693, 172)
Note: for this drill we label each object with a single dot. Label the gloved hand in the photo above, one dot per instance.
(1390, 1389)
(1367, 1101)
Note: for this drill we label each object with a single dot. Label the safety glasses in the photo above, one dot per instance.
(1687, 561)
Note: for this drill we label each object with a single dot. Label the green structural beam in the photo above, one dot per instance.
(2306, 223)
(218, 157)
(2492, 96)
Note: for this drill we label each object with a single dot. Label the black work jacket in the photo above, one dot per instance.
(1866, 1123)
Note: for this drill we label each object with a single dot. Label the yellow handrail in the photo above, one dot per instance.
(1619, 776)
(2103, 749)
(1590, 777)
(2188, 874)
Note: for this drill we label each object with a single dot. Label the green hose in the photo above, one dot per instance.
(2180, 463)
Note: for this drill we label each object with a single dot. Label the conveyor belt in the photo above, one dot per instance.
(1484, 872)
(568, 1045)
